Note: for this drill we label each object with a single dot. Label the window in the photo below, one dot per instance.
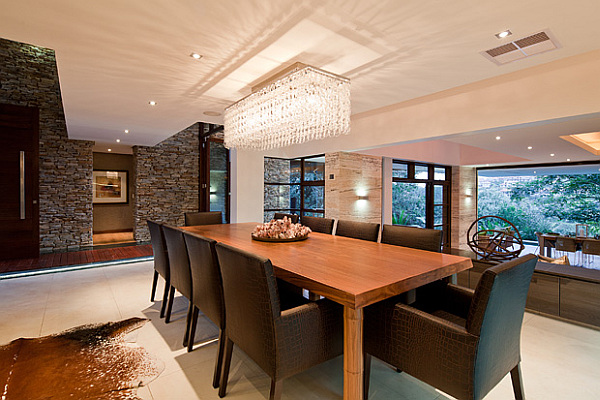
(295, 186)
(421, 196)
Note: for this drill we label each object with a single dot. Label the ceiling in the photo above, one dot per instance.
(115, 56)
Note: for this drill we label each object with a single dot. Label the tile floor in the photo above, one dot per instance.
(560, 360)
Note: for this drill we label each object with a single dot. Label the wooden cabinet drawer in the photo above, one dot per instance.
(543, 294)
(580, 301)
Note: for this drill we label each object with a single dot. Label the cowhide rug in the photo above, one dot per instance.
(87, 362)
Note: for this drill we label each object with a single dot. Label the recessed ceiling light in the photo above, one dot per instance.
(109, 149)
(498, 137)
(568, 159)
(212, 113)
(535, 172)
(529, 147)
(126, 131)
(118, 140)
(503, 34)
(152, 102)
(551, 154)
(196, 56)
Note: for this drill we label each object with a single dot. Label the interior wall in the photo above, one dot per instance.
(115, 217)
(464, 205)
(247, 185)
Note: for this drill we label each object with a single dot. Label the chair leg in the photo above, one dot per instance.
(165, 300)
(170, 304)
(226, 364)
(276, 388)
(219, 360)
(366, 375)
(192, 329)
(154, 282)
(188, 320)
(517, 382)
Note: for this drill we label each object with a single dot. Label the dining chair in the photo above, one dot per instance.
(318, 224)
(459, 341)
(181, 278)
(161, 263)
(590, 248)
(207, 291)
(413, 237)
(203, 218)
(283, 342)
(566, 245)
(293, 217)
(358, 230)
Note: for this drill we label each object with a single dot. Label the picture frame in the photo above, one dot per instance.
(110, 187)
(581, 230)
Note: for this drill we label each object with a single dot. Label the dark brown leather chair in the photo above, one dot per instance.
(203, 218)
(283, 342)
(161, 263)
(293, 217)
(358, 230)
(181, 278)
(456, 340)
(317, 224)
(207, 290)
(413, 237)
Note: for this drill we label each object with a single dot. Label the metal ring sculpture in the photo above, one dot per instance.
(497, 243)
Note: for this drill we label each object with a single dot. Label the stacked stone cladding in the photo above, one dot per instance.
(29, 77)
(276, 170)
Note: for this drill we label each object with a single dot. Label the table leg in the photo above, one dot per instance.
(353, 354)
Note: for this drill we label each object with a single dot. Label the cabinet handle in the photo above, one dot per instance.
(22, 184)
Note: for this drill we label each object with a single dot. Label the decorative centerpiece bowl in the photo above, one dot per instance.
(280, 230)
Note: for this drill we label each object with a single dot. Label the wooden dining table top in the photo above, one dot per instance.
(352, 272)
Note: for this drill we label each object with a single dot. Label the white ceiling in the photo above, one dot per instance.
(114, 56)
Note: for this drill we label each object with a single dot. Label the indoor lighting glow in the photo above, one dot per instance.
(551, 154)
(109, 149)
(503, 34)
(498, 137)
(568, 159)
(118, 140)
(152, 102)
(126, 131)
(196, 56)
(529, 147)
(301, 104)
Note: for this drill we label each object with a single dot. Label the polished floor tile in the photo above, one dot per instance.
(560, 360)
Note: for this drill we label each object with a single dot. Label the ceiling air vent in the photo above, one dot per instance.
(521, 48)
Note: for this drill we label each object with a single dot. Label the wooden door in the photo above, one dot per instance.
(19, 208)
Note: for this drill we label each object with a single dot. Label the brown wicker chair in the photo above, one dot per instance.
(283, 342)
(459, 341)
(317, 224)
(203, 218)
(207, 291)
(161, 263)
(293, 217)
(416, 238)
(358, 230)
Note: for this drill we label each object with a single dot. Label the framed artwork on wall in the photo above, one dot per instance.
(110, 187)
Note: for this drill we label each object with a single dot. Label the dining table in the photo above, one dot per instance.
(354, 273)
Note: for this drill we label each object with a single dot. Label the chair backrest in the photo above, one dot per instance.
(203, 218)
(251, 304)
(496, 316)
(207, 285)
(159, 248)
(413, 237)
(591, 247)
(565, 244)
(293, 217)
(317, 224)
(358, 230)
(181, 277)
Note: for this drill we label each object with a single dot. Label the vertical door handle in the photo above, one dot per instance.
(22, 184)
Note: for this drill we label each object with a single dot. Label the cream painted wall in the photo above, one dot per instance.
(247, 186)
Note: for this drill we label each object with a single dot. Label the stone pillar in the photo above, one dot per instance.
(464, 204)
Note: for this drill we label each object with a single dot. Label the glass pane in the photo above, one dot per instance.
(439, 174)
(295, 171)
(314, 170)
(279, 196)
(277, 170)
(408, 204)
(399, 170)
(218, 178)
(313, 197)
(438, 215)
(269, 215)
(314, 214)
(438, 194)
(295, 197)
(421, 172)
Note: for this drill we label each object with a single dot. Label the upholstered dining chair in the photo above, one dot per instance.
(456, 340)
(358, 230)
(203, 218)
(413, 237)
(293, 217)
(318, 224)
(181, 278)
(283, 342)
(207, 291)
(161, 263)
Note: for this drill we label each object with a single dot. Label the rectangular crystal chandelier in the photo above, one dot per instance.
(302, 103)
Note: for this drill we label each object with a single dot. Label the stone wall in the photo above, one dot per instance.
(218, 178)
(166, 181)
(464, 204)
(29, 77)
(353, 175)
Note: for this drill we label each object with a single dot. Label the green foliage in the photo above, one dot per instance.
(408, 204)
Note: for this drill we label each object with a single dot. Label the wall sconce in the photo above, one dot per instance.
(362, 194)
(364, 197)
